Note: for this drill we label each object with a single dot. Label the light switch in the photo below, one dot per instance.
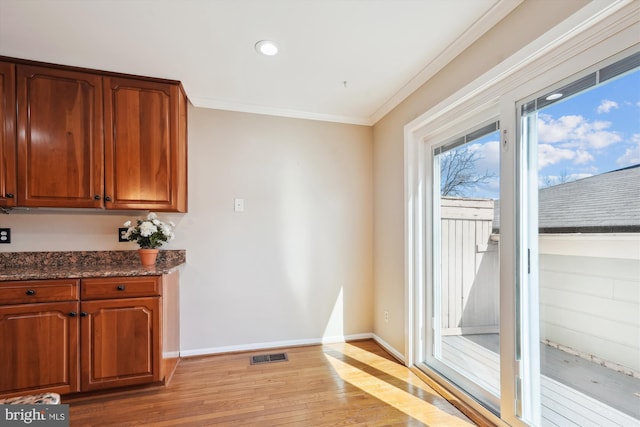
(238, 205)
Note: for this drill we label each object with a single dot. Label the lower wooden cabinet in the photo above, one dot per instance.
(114, 332)
(39, 349)
(120, 342)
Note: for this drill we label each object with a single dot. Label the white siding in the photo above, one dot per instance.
(591, 305)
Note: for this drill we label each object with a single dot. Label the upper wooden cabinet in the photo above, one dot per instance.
(7, 135)
(91, 139)
(145, 145)
(60, 138)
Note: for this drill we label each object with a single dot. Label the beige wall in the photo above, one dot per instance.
(297, 263)
(294, 267)
(527, 22)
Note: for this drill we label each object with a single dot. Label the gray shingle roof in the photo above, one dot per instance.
(606, 203)
(611, 199)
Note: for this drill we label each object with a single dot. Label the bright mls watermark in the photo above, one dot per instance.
(34, 415)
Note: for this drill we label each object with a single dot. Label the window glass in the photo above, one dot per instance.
(583, 152)
(466, 303)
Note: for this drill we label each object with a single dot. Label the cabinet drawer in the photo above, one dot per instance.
(31, 291)
(120, 287)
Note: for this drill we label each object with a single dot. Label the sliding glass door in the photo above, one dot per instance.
(579, 298)
(527, 256)
(465, 342)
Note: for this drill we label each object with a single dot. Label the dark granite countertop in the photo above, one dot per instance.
(62, 265)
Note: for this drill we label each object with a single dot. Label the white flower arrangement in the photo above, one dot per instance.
(149, 233)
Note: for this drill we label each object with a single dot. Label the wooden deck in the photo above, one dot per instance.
(562, 404)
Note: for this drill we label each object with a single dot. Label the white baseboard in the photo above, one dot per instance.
(395, 353)
(274, 344)
(170, 354)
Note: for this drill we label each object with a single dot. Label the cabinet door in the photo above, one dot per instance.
(7, 135)
(120, 342)
(145, 145)
(39, 348)
(60, 138)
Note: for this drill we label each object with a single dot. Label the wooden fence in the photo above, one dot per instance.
(469, 267)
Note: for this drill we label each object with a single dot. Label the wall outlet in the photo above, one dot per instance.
(386, 315)
(121, 233)
(5, 235)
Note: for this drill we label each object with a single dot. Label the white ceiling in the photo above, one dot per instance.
(347, 61)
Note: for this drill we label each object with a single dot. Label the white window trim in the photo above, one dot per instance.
(598, 31)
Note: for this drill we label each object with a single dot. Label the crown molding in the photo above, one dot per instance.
(494, 15)
(274, 111)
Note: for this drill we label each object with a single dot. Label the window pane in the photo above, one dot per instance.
(587, 254)
(466, 343)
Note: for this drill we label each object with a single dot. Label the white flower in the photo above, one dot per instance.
(149, 232)
(147, 229)
(166, 229)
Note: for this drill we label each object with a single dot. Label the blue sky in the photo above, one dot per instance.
(593, 132)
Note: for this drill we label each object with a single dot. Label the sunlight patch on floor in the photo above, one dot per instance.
(416, 408)
(382, 364)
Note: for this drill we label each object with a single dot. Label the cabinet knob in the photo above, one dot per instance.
(30, 292)
(97, 197)
(9, 195)
(121, 287)
(83, 314)
(107, 199)
(73, 314)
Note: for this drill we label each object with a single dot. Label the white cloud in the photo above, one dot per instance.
(632, 155)
(488, 162)
(489, 153)
(606, 105)
(560, 130)
(549, 155)
(574, 131)
(583, 157)
(599, 140)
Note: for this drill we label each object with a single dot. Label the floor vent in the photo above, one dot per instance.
(268, 358)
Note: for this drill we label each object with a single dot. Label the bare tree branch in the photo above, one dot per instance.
(458, 174)
(550, 181)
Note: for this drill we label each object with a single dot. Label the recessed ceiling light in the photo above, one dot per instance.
(554, 96)
(267, 47)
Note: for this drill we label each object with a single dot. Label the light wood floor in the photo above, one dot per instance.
(346, 384)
